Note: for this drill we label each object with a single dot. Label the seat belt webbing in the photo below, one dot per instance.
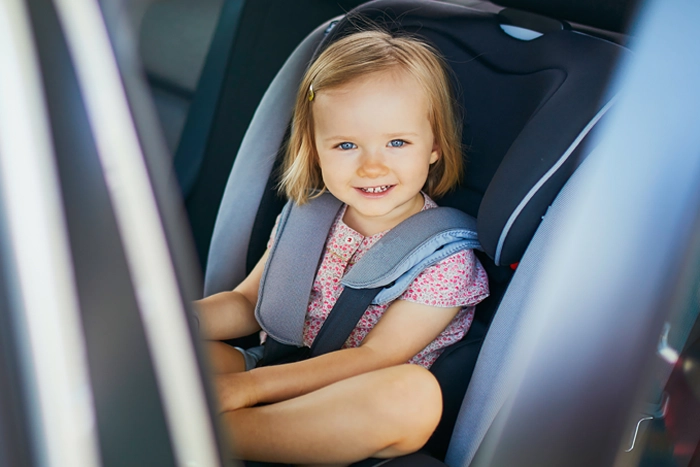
(343, 318)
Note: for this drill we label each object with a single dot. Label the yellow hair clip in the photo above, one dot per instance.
(311, 92)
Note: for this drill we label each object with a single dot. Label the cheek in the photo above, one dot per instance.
(330, 162)
(419, 173)
(328, 169)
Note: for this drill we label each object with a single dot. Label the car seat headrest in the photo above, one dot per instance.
(528, 106)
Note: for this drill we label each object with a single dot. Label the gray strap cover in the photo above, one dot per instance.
(290, 271)
(396, 259)
(406, 250)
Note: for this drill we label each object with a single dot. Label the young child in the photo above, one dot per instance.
(374, 124)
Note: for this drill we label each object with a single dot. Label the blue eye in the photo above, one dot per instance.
(347, 146)
(396, 143)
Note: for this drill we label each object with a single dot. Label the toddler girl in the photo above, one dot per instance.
(375, 125)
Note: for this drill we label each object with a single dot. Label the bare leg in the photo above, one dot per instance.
(384, 413)
(223, 358)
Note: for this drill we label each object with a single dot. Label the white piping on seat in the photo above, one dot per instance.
(513, 217)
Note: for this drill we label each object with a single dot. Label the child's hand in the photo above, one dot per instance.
(234, 391)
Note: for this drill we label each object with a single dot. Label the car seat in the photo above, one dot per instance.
(533, 90)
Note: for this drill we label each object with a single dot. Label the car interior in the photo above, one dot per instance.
(158, 186)
(531, 109)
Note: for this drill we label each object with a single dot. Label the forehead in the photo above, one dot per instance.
(378, 101)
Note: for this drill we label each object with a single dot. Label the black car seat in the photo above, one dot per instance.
(533, 90)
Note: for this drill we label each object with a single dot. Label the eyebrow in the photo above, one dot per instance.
(335, 138)
(388, 135)
(407, 133)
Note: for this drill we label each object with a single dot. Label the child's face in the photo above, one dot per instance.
(375, 146)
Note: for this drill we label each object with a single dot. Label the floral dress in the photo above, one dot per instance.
(458, 280)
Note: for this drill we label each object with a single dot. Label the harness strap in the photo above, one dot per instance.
(342, 319)
(381, 276)
(405, 251)
(391, 265)
(290, 271)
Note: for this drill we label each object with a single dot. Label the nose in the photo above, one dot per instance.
(372, 165)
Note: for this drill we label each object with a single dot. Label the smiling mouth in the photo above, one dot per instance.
(376, 189)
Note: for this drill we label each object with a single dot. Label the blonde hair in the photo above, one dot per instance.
(360, 54)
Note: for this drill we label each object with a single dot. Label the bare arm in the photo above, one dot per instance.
(228, 315)
(405, 329)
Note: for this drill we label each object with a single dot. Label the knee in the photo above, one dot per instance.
(414, 404)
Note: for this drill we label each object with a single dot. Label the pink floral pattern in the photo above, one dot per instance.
(458, 280)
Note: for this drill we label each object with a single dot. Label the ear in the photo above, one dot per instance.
(435, 154)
